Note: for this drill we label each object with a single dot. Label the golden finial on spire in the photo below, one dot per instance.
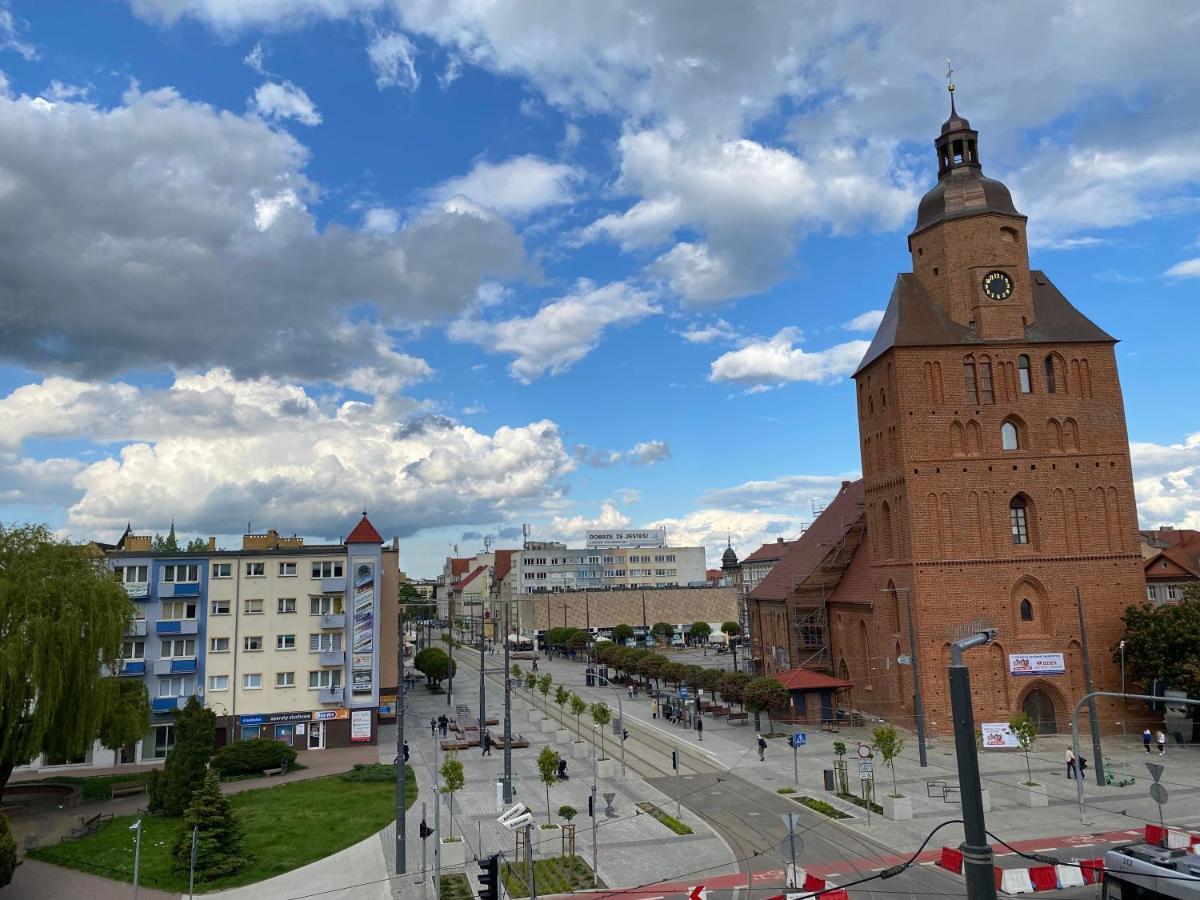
(950, 85)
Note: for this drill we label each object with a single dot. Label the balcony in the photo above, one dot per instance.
(137, 628)
(133, 668)
(174, 666)
(161, 705)
(137, 590)
(333, 657)
(333, 585)
(333, 620)
(331, 695)
(186, 589)
(176, 626)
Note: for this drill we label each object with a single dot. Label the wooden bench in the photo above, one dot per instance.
(738, 718)
(278, 770)
(456, 745)
(830, 725)
(88, 825)
(126, 789)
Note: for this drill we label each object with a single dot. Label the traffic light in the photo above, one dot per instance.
(591, 806)
(489, 878)
(675, 760)
(426, 831)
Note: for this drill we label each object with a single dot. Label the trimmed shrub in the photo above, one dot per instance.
(252, 756)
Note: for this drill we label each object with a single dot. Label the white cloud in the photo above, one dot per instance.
(212, 451)
(628, 496)
(380, 220)
(1166, 480)
(573, 529)
(778, 360)
(277, 101)
(10, 35)
(229, 15)
(562, 332)
(867, 321)
(647, 453)
(516, 187)
(212, 232)
(1189, 268)
(720, 330)
(789, 492)
(256, 58)
(711, 527)
(392, 57)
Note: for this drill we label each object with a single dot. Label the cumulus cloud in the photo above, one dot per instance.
(212, 451)
(595, 457)
(573, 529)
(1166, 480)
(515, 187)
(789, 492)
(647, 453)
(284, 100)
(750, 202)
(778, 360)
(393, 59)
(206, 252)
(720, 331)
(867, 321)
(1189, 268)
(712, 527)
(562, 332)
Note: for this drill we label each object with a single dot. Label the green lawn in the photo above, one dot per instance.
(286, 827)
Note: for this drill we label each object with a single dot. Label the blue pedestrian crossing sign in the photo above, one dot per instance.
(799, 739)
(683, 693)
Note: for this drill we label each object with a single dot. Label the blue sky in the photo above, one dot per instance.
(469, 266)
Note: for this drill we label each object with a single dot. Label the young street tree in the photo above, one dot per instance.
(601, 715)
(219, 839)
(889, 744)
(547, 763)
(1024, 729)
(731, 629)
(578, 708)
(661, 631)
(62, 619)
(561, 696)
(452, 782)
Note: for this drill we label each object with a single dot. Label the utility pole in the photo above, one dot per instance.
(564, 609)
(450, 651)
(437, 824)
(977, 853)
(137, 854)
(1093, 719)
(594, 805)
(918, 703)
(507, 715)
(482, 688)
(401, 766)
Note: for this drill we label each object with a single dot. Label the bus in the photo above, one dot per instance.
(1150, 872)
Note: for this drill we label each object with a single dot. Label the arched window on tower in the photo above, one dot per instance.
(1018, 512)
(1009, 437)
(885, 531)
(1026, 610)
(986, 394)
(1023, 374)
(972, 386)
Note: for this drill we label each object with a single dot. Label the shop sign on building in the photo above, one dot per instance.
(363, 634)
(360, 725)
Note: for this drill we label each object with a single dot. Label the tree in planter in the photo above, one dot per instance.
(435, 664)
(170, 790)
(561, 696)
(660, 631)
(578, 708)
(601, 715)
(1024, 729)
(701, 631)
(8, 852)
(530, 681)
(452, 782)
(544, 684)
(219, 838)
(567, 813)
(889, 744)
(766, 695)
(516, 671)
(68, 615)
(839, 750)
(622, 633)
(547, 763)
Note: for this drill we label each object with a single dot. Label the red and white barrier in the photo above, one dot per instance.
(811, 886)
(1032, 879)
(1171, 838)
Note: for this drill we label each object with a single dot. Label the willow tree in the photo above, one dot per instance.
(62, 619)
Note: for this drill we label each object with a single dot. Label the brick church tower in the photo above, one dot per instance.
(996, 466)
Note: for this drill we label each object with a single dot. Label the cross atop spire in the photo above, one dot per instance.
(950, 85)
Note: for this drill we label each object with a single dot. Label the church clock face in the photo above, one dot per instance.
(997, 285)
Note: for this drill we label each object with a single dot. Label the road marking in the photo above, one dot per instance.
(1044, 849)
(1085, 845)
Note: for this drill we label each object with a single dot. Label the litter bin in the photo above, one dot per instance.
(829, 779)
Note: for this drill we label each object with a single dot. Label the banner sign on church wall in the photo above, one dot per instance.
(1036, 664)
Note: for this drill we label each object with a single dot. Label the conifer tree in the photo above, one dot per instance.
(183, 772)
(219, 850)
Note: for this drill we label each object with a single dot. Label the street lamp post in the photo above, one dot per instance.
(620, 718)
(595, 811)
(507, 715)
(1125, 711)
(137, 854)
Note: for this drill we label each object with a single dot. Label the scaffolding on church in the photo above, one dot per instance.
(810, 597)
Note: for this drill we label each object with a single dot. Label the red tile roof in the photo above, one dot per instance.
(857, 585)
(364, 533)
(462, 584)
(773, 550)
(811, 548)
(1182, 558)
(459, 566)
(503, 563)
(807, 680)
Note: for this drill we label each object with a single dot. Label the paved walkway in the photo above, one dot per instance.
(1108, 808)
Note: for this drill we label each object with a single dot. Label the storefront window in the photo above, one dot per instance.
(283, 733)
(250, 732)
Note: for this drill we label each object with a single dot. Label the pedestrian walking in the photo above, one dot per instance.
(406, 751)
(487, 743)
(1147, 737)
(444, 724)
(1082, 766)
(699, 729)
(629, 691)
(535, 665)
(762, 748)
(433, 725)
(1161, 740)
(1070, 763)
(654, 709)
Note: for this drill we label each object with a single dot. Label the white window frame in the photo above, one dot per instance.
(249, 608)
(222, 570)
(285, 605)
(316, 605)
(287, 570)
(190, 573)
(256, 570)
(183, 685)
(248, 681)
(171, 648)
(218, 683)
(218, 607)
(133, 655)
(328, 568)
(184, 605)
(252, 643)
(282, 642)
(214, 647)
(324, 679)
(285, 679)
(140, 574)
(324, 642)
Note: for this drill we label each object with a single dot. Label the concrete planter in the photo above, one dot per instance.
(606, 768)
(581, 750)
(548, 726)
(1032, 796)
(534, 715)
(454, 853)
(987, 800)
(896, 808)
(549, 840)
(562, 736)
